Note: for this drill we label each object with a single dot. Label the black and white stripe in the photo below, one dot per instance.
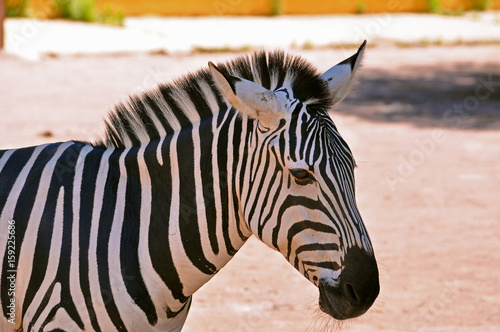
(118, 234)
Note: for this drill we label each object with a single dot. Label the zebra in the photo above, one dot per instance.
(117, 234)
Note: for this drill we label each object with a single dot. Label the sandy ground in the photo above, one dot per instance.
(423, 124)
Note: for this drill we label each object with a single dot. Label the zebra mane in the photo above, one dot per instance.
(183, 102)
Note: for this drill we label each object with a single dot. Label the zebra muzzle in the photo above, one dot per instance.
(356, 290)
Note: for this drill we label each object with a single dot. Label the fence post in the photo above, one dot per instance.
(2, 19)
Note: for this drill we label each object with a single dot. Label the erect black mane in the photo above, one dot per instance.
(184, 101)
(270, 69)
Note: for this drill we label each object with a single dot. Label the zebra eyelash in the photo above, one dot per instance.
(302, 176)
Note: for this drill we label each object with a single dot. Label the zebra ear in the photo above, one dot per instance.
(341, 76)
(248, 97)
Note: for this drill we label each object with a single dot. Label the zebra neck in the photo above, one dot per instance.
(195, 221)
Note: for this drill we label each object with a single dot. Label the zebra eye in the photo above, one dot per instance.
(302, 176)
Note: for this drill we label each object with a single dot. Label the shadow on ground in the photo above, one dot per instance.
(462, 96)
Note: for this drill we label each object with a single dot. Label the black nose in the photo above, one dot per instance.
(357, 288)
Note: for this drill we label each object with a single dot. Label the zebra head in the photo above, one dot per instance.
(301, 198)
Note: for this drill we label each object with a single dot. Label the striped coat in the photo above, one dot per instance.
(118, 234)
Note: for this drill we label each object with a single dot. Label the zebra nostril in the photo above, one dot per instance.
(359, 284)
(350, 293)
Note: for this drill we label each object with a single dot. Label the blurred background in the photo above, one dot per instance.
(97, 10)
(423, 124)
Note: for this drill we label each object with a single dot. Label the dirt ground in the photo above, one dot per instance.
(423, 124)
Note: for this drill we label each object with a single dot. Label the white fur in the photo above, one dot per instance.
(250, 98)
(340, 77)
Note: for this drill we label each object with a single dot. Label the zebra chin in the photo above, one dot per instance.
(357, 287)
